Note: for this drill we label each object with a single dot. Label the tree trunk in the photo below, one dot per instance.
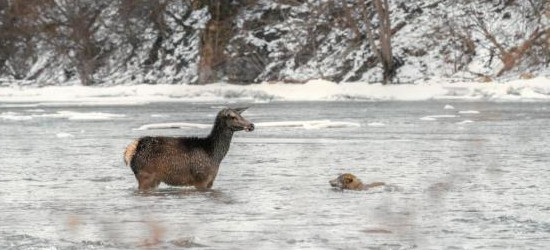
(214, 38)
(383, 51)
(385, 34)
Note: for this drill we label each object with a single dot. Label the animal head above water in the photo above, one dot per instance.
(347, 181)
(233, 119)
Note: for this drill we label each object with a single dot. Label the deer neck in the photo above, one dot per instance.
(219, 140)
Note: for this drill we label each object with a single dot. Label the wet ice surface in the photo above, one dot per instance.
(481, 184)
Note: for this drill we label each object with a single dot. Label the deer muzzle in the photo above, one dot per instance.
(249, 127)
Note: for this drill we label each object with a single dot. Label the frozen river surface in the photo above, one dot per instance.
(473, 177)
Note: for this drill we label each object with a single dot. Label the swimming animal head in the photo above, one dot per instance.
(347, 181)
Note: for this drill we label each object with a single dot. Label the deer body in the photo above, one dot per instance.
(185, 161)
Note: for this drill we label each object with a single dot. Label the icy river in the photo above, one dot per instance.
(465, 175)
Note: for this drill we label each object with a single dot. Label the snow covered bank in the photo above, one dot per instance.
(537, 89)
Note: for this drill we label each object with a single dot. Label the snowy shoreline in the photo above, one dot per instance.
(537, 89)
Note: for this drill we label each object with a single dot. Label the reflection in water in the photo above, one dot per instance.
(175, 192)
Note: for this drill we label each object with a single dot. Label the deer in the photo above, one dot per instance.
(185, 161)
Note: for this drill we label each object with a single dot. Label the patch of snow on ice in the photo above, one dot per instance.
(174, 125)
(329, 124)
(448, 106)
(427, 118)
(64, 135)
(289, 124)
(17, 105)
(71, 115)
(317, 124)
(434, 117)
(376, 124)
(35, 110)
(13, 116)
(93, 116)
(465, 122)
(468, 112)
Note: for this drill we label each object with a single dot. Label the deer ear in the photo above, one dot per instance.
(225, 112)
(240, 110)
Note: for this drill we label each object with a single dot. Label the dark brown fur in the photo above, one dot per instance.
(185, 161)
(350, 181)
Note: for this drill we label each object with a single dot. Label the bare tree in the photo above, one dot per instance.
(511, 56)
(382, 50)
(216, 35)
(71, 27)
(17, 37)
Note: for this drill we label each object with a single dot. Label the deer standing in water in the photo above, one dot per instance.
(185, 161)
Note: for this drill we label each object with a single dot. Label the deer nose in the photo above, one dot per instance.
(250, 127)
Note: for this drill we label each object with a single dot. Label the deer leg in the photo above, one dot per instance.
(210, 184)
(204, 185)
(213, 177)
(146, 181)
(203, 176)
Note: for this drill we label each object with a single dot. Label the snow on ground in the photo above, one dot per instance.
(537, 89)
